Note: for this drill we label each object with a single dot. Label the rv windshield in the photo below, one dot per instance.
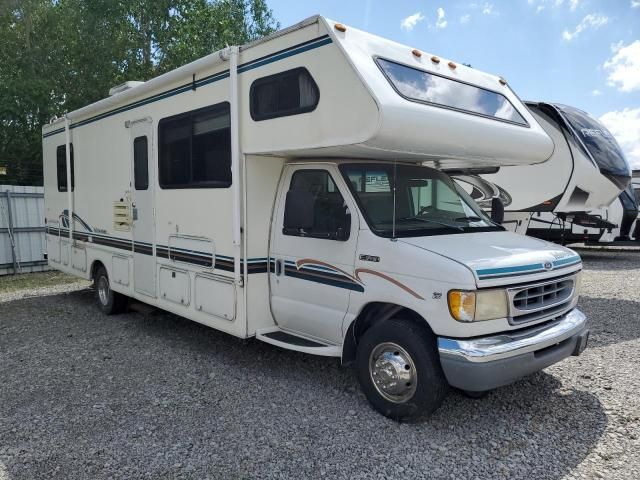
(427, 202)
(599, 142)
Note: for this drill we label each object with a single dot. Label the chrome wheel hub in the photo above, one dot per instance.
(103, 290)
(393, 372)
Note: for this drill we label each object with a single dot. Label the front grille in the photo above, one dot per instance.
(541, 300)
(541, 296)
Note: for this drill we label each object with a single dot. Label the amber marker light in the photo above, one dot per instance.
(340, 27)
(502, 81)
(435, 59)
(452, 65)
(416, 52)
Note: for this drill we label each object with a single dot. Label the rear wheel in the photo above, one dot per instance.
(110, 302)
(399, 370)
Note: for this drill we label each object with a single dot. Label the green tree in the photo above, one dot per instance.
(59, 55)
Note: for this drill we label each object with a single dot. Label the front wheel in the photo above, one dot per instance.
(399, 370)
(110, 302)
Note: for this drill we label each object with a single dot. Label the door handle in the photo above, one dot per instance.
(278, 267)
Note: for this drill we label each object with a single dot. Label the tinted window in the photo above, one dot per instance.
(422, 86)
(61, 164)
(287, 93)
(330, 213)
(140, 163)
(195, 149)
(598, 140)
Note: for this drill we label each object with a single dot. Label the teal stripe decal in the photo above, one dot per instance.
(521, 268)
(289, 52)
(566, 261)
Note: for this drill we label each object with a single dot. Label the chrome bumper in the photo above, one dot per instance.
(485, 363)
(511, 344)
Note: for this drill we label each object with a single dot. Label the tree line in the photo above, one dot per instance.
(59, 55)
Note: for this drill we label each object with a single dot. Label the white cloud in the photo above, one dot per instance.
(411, 21)
(625, 126)
(635, 3)
(624, 67)
(596, 93)
(441, 22)
(487, 9)
(542, 4)
(465, 19)
(593, 20)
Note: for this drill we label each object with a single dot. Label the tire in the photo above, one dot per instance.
(109, 302)
(407, 351)
(475, 395)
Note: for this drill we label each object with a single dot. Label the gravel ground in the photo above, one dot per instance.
(156, 396)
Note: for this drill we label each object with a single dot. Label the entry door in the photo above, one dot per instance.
(312, 268)
(144, 267)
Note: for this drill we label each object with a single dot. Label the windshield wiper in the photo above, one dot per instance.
(428, 220)
(468, 219)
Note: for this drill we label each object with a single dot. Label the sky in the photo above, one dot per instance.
(583, 53)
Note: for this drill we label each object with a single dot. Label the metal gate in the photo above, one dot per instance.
(22, 230)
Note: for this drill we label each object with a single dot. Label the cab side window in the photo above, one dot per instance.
(315, 207)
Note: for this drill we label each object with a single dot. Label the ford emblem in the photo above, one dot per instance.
(548, 265)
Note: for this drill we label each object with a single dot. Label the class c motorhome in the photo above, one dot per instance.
(276, 191)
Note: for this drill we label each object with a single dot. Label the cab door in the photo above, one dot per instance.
(142, 204)
(313, 246)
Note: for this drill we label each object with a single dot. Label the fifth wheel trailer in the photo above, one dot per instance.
(276, 190)
(587, 171)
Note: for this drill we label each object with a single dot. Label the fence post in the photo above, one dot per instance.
(11, 237)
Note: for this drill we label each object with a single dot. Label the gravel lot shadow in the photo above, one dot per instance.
(132, 396)
(611, 320)
(610, 260)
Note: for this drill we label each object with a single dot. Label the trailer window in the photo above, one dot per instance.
(283, 94)
(61, 164)
(140, 163)
(195, 149)
(430, 88)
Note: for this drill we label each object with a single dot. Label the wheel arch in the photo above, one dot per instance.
(372, 314)
(94, 268)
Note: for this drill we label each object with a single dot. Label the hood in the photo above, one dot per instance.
(499, 258)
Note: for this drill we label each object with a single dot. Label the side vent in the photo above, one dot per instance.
(122, 218)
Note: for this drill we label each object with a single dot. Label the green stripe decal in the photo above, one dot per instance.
(245, 67)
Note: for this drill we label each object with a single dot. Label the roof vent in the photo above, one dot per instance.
(123, 87)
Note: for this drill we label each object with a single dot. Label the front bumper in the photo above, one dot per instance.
(484, 363)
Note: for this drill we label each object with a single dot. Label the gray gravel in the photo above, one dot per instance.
(134, 396)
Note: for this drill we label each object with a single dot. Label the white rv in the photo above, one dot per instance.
(276, 191)
(551, 200)
(623, 214)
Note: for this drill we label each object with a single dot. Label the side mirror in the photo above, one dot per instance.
(299, 210)
(497, 210)
(345, 230)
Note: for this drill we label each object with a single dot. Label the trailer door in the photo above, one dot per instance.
(142, 175)
(313, 250)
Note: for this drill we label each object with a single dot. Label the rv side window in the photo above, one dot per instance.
(283, 94)
(195, 149)
(61, 164)
(326, 214)
(140, 163)
(425, 87)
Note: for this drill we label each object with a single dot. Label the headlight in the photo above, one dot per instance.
(466, 306)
